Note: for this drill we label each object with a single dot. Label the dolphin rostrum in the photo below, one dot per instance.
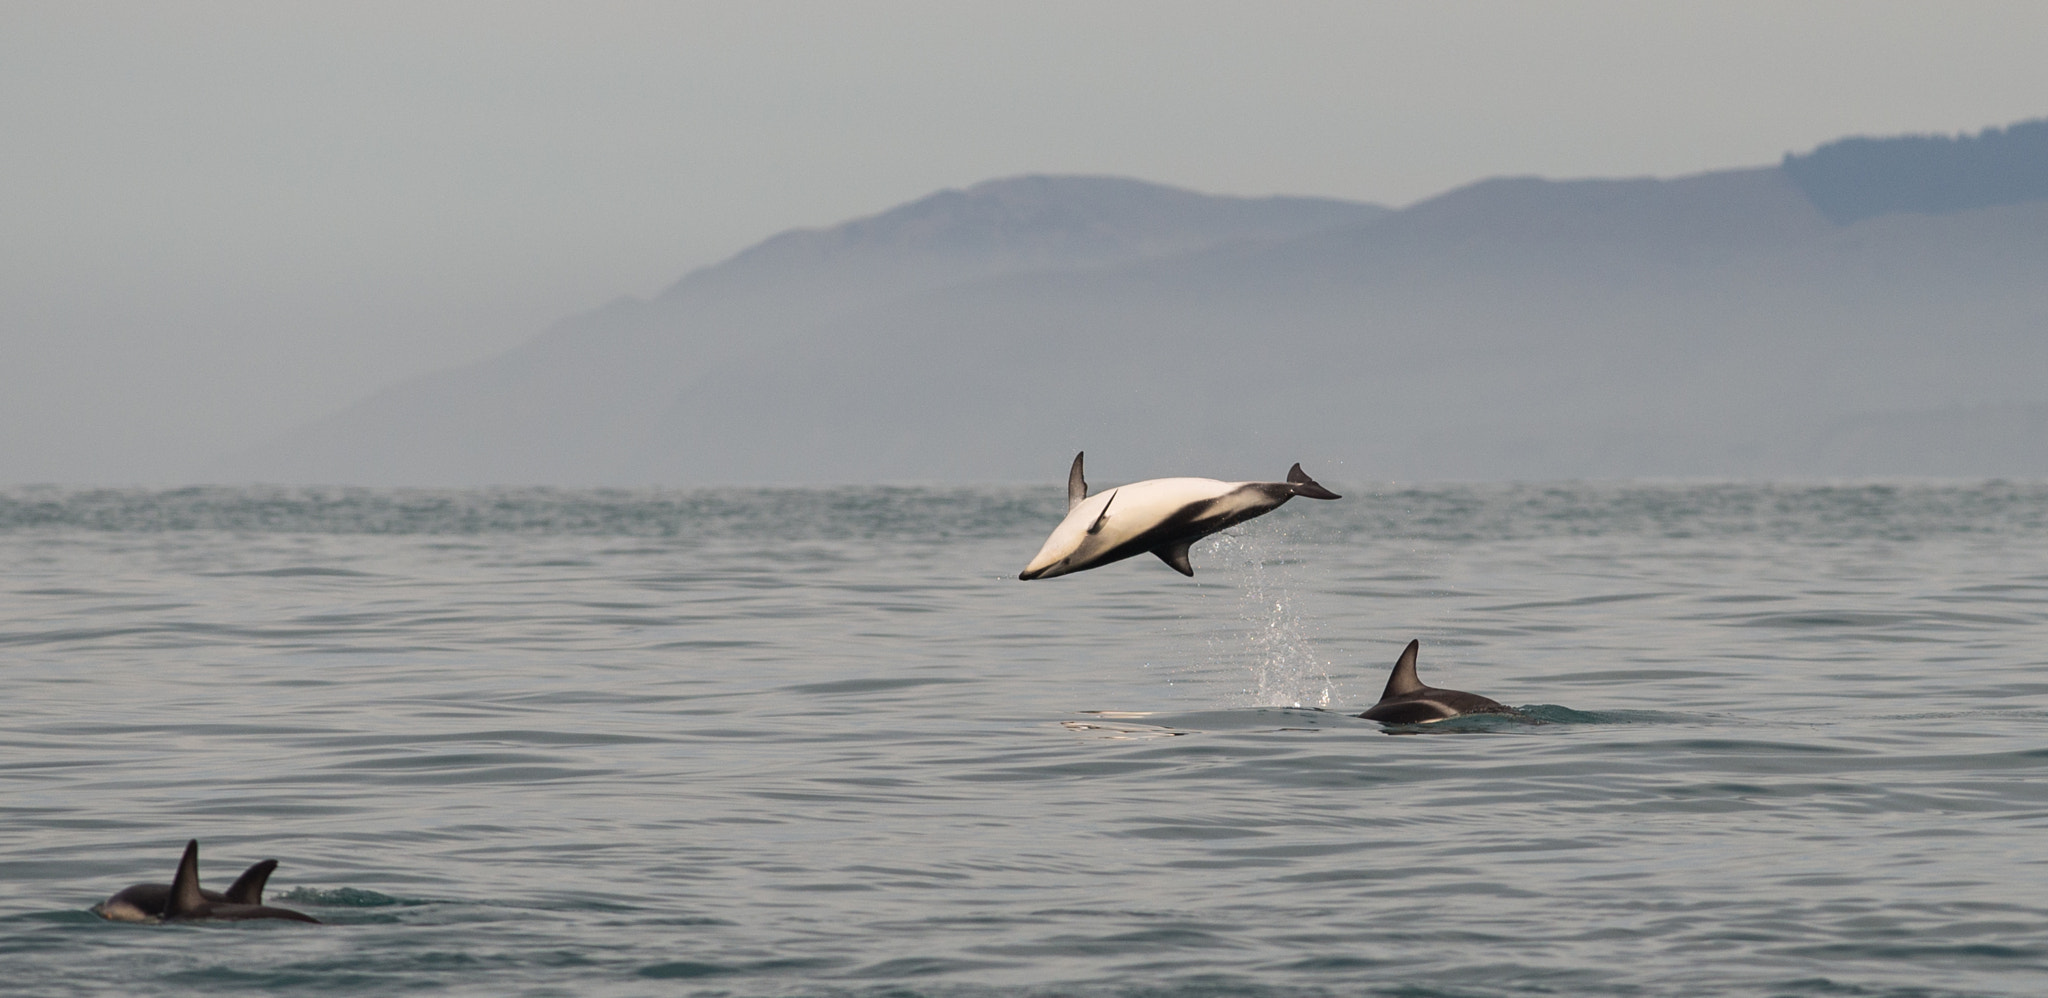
(1163, 516)
(1407, 701)
(183, 900)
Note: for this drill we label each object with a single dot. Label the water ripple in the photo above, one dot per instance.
(785, 742)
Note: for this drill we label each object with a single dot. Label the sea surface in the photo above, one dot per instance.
(1781, 740)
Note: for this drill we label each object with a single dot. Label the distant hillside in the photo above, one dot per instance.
(1858, 178)
(996, 227)
(578, 403)
(1717, 325)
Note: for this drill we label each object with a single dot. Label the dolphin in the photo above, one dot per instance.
(1163, 516)
(147, 902)
(1407, 701)
(183, 900)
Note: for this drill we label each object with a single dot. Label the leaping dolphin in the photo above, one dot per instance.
(1163, 516)
(1408, 701)
(183, 900)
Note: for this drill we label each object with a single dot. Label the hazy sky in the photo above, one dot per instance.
(224, 218)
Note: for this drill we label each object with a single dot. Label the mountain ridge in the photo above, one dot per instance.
(1861, 177)
(1719, 323)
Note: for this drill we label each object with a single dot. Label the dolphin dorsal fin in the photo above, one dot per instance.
(1175, 555)
(1404, 680)
(185, 897)
(1077, 486)
(248, 888)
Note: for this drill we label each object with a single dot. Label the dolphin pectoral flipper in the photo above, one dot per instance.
(1077, 486)
(1175, 555)
(1103, 517)
(248, 888)
(1302, 485)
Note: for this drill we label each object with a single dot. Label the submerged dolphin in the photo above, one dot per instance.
(183, 900)
(1407, 701)
(1163, 516)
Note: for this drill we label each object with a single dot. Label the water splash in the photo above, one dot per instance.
(1275, 640)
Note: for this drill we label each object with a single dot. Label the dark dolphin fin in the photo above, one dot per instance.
(1175, 555)
(185, 897)
(1304, 485)
(1096, 527)
(248, 888)
(1077, 487)
(1404, 680)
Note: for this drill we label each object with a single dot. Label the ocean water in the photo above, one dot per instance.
(1784, 740)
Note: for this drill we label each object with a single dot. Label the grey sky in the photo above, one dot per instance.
(225, 218)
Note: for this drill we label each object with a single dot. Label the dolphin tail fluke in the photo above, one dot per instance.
(1077, 486)
(248, 888)
(185, 897)
(1299, 484)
